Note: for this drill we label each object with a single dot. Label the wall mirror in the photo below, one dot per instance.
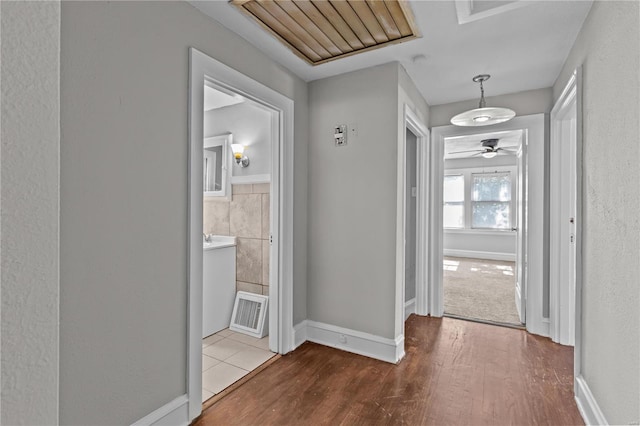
(217, 165)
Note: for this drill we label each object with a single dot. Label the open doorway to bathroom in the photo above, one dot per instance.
(252, 181)
(480, 235)
(236, 234)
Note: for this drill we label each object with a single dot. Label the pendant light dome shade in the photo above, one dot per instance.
(483, 115)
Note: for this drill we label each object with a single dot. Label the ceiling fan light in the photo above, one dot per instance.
(489, 154)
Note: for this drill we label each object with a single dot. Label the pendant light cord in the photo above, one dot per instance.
(482, 102)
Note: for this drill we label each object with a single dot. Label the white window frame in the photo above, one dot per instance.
(468, 187)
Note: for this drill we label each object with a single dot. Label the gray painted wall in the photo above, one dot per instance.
(251, 126)
(30, 105)
(352, 201)
(124, 199)
(523, 103)
(608, 48)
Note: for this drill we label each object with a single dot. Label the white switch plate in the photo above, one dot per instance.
(414, 191)
(340, 134)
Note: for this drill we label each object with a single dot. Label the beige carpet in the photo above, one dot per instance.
(480, 289)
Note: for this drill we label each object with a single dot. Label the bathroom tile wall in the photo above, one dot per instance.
(246, 217)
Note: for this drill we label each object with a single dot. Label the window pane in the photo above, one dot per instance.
(453, 188)
(453, 215)
(492, 187)
(490, 215)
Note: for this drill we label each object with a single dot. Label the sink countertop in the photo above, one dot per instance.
(218, 241)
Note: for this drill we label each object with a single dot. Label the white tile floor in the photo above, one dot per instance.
(228, 356)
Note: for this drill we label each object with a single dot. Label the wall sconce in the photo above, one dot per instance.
(238, 150)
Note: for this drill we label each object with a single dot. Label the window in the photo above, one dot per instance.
(453, 216)
(491, 200)
(476, 198)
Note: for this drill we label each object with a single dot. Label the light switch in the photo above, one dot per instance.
(340, 135)
(414, 191)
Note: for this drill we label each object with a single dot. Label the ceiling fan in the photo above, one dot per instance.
(489, 149)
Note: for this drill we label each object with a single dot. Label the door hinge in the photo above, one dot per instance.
(270, 239)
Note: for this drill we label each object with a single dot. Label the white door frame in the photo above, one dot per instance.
(412, 123)
(534, 227)
(203, 67)
(565, 148)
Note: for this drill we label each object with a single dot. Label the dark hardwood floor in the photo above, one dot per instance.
(455, 372)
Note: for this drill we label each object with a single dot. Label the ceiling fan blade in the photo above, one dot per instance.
(464, 152)
(508, 149)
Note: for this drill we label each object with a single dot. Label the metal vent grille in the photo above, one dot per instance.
(249, 314)
(319, 31)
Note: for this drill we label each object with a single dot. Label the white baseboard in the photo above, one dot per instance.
(174, 413)
(299, 334)
(409, 308)
(354, 341)
(237, 180)
(510, 257)
(587, 405)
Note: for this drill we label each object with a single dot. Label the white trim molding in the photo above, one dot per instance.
(299, 334)
(412, 123)
(409, 308)
(565, 201)
(354, 341)
(241, 180)
(175, 412)
(587, 404)
(509, 257)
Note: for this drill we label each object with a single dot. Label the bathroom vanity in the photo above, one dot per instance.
(219, 283)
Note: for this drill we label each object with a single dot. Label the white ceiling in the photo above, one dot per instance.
(522, 44)
(509, 139)
(216, 99)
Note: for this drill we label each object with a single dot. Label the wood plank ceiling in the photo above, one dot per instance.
(320, 31)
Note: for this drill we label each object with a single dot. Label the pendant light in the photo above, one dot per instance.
(483, 115)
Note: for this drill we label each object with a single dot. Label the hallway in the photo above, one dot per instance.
(454, 372)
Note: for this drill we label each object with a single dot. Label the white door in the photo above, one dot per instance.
(567, 284)
(564, 216)
(520, 228)
(563, 230)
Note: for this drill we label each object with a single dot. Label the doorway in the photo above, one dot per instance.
(412, 232)
(205, 71)
(411, 223)
(565, 215)
(530, 291)
(481, 194)
(236, 235)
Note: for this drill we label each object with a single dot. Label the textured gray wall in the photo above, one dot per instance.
(124, 199)
(608, 48)
(29, 215)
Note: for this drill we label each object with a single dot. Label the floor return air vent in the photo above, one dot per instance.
(250, 314)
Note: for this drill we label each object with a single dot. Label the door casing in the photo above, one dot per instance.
(565, 204)
(201, 68)
(534, 226)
